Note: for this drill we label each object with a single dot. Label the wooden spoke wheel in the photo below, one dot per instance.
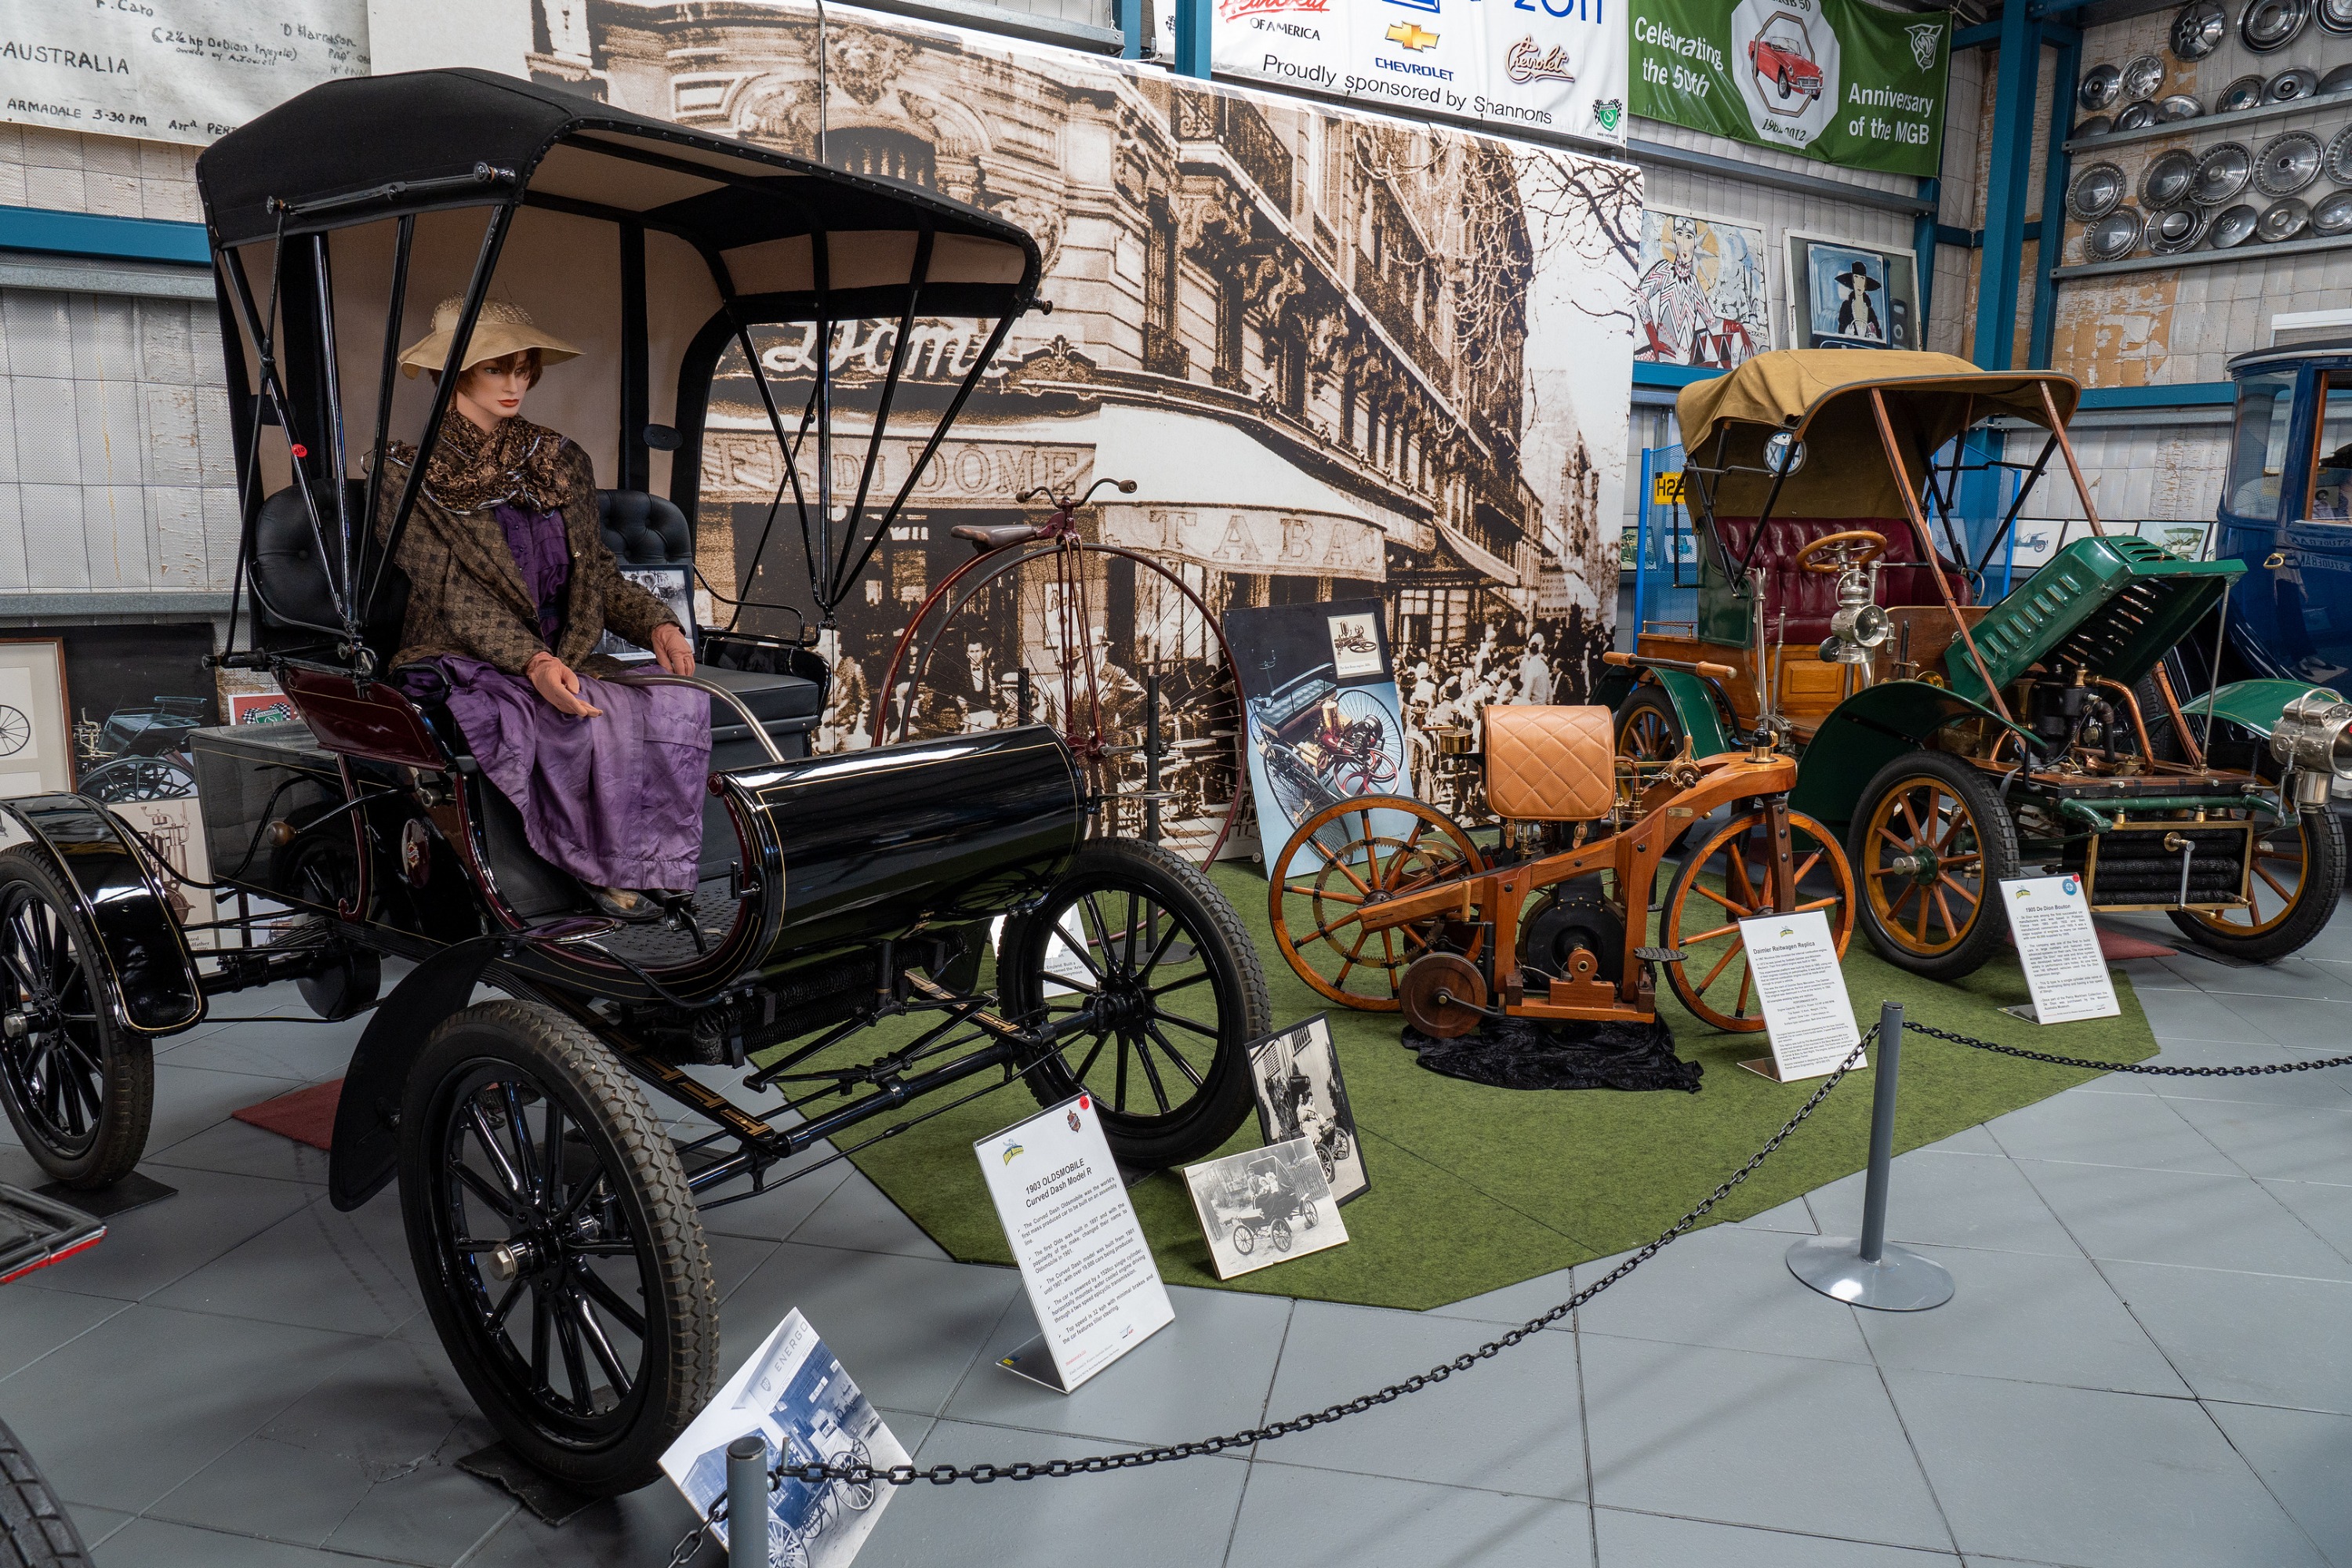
(1931, 842)
(1726, 878)
(1357, 853)
(2298, 868)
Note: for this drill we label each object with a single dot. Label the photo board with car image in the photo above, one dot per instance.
(1264, 1207)
(795, 1393)
(1295, 1074)
(1325, 723)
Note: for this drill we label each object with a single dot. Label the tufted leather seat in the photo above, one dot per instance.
(643, 531)
(1549, 763)
(294, 588)
(1809, 598)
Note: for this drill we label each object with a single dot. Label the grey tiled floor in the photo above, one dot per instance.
(2147, 1364)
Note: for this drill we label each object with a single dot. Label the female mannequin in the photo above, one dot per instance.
(510, 586)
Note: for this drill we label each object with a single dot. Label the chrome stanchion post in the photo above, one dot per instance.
(1868, 1272)
(747, 1501)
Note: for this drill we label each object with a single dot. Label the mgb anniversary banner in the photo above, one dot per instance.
(1840, 80)
(1556, 66)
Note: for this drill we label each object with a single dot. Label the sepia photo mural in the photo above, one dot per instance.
(1337, 355)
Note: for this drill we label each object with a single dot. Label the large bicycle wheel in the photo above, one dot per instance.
(556, 1244)
(1727, 878)
(1093, 626)
(1346, 857)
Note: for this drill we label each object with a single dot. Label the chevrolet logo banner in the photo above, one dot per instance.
(1411, 36)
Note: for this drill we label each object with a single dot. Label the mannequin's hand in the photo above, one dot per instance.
(673, 648)
(554, 680)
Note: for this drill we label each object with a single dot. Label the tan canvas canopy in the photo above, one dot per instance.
(1823, 396)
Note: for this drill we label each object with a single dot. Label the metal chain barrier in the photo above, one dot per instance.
(2256, 1071)
(1133, 1458)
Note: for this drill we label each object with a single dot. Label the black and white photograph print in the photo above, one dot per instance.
(1265, 1205)
(1336, 355)
(1296, 1075)
(795, 1393)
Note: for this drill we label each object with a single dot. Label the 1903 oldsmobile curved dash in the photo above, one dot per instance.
(551, 1218)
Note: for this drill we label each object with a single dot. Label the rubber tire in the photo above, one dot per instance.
(1997, 839)
(1224, 1101)
(128, 1058)
(35, 1531)
(2324, 858)
(603, 1101)
(1244, 1239)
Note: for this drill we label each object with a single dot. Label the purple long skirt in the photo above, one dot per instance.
(615, 800)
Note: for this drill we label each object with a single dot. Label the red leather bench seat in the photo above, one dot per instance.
(1809, 599)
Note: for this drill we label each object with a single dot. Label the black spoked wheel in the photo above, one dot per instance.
(1153, 993)
(36, 1532)
(79, 1087)
(1244, 1239)
(556, 1244)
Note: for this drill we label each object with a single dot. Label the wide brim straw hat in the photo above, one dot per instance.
(501, 330)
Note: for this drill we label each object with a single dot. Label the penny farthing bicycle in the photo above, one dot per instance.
(1150, 716)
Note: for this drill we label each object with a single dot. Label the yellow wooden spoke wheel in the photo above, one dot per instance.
(1726, 878)
(2297, 871)
(1350, 855)
(1930, 843)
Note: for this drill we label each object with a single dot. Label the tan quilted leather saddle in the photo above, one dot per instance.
(1551, 764)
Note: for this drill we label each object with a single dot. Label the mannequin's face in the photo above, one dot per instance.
(493, 390)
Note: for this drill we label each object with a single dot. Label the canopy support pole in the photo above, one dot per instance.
(2058, 429)
(1928, 548)
(478, 289)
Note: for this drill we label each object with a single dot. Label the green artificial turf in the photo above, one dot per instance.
(1474, 1188)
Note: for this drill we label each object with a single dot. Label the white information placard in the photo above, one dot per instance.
(1088, 1270)
(1793, 960)
(2059, 948)
(174, 71)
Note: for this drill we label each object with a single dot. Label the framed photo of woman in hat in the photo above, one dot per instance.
(1843, 295)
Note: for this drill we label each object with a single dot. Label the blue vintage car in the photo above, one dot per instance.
(2286, 510)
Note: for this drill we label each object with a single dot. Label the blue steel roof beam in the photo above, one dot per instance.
(1993, 340)
(2057, 165)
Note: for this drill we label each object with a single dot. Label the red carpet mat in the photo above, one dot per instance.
(307, 1115)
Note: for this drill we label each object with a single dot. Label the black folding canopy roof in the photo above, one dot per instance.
(757, 235)
(361, 149)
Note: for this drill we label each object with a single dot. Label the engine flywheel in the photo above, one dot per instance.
(1442, 994)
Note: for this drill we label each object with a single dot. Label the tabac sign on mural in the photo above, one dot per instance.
(1840, 80)
(1549, 64)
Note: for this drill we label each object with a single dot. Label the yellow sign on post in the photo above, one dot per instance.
(1667, 489)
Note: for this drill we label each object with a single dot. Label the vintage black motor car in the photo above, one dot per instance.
(552, 1147)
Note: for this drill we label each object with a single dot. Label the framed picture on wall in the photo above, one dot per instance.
(35, 741)
(1701, 299)
(1843, 295)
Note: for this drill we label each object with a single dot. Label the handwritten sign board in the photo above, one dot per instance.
(1087, 1268)
(2059, 949)
(176, 70)
(1794, 962)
